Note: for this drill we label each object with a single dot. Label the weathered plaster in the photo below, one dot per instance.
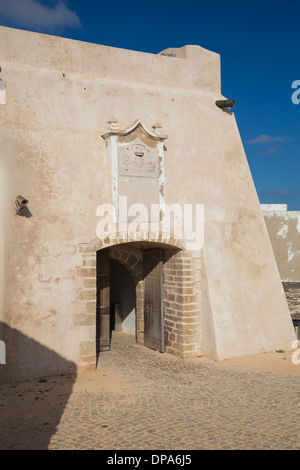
(284, 231)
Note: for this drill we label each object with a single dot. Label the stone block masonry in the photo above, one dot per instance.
(182, 304)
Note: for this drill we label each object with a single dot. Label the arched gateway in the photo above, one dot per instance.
(166, 279)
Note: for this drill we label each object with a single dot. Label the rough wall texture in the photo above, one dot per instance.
(59, 96)
(284, 231)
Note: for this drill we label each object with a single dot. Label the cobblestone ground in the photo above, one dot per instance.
(141, 399)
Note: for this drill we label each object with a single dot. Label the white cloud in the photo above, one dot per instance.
(279, 192)
(267, 139)
(37, 16)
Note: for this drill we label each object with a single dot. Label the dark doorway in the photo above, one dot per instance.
(116, 300)
(122, 299)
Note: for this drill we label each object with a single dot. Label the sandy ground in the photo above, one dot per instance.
(276, 362)
(279, 363)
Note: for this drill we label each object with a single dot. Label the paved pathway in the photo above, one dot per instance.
(140, 399)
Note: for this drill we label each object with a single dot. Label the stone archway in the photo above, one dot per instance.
(181, 293)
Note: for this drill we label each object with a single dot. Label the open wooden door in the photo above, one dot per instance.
(153, 300)
(103, 302)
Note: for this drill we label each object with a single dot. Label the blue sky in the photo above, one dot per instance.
(259, 44)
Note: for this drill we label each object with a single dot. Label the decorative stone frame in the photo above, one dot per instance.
(116, 140)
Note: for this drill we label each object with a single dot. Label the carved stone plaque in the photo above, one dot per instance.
(137, 170)
(137, 159)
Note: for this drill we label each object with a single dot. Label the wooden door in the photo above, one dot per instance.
(103, 302)
(153, 300)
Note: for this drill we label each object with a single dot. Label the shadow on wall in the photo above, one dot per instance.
(25, 213)
(35, 385)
